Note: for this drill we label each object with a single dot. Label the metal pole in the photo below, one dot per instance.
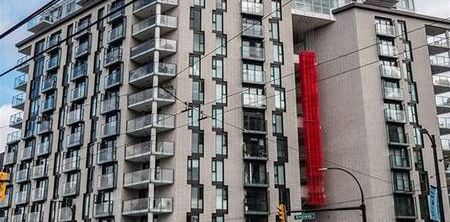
(363, 201)
(438, 175)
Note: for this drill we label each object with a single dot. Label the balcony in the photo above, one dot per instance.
(9, 158)
(253, 77)
(70, 188)
(39, 194)
(255, 126)
(13, 137)
(143, 29)
(53, 42)
(109, 105)
(444, 125)
(106, 155)
(405, 187)
(20, 83)
(109, 129)
(405, 208)
(19, 217)
(439, 64)
(79, 71)
(104, 209)
(390, 72)
(53, 63)
(141, 152)
(43, 148)
(252, 8)
(39, 23)
(48, 104)
(106, 181)
(141, 207)
(65, 214)
(16, 120)
(116, 12)
(142, 101)
(256, 206)
(140, 127)
(399, 163)
(35, 217)
(116, 34)
(144, 52)
(18, 101)
(39, 171)
(254, 152)
(445, 144)
(438, 44)
(6, 202)
(75, 139)
(78, 93)
(112, 57)
(394, 115)
(71, 164)
(253, 53)
(398, 139)
(26, 153)
(443, 104)
(22, 176)
(387, 51)
(24, 64)
(82, 49)
(146, 8)
(48, 84)
(113, 79)
(254, 101)
(393, 93)
(143, 76)
(141, 179)
(255, 174)
(385, 30)
(45, 126)
(75, 116)
(82, 28)
(441, 84)
(22, 197)
(252, 30)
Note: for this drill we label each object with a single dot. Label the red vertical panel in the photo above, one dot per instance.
(311, 122)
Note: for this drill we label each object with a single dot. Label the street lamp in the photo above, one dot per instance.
(436, 170)
(362, 207)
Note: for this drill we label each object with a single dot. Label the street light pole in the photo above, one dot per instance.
(362, 207)
(436, 170)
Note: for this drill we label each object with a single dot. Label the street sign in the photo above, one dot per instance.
(303, 216)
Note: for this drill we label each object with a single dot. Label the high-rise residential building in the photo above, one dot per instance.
(167, 110)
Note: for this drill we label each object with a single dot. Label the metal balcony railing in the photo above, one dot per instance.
(108, 105)
(78, 93)
(256, 205)
(22, 197)
(78, 71)
(113, 79)
(106, 155)
(39, 171)
(75, 116)
(53, 62)
(70, 188)
(104, 209)
(48, 104)
(258, 179)
(252, 151)
(82, 49)
(82, 25)
(113, 56)
(71, 164)
(22, 176)
(110, 129)
(48, 84)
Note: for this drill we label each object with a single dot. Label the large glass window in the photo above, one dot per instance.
(217, 117)
(196, 19)
(197, 197)
(221, 144)
(199, 42)
(252, 73)
(194, 116)
(194, 65)
(277, 122)
(193, 170)
(217, 67)
(217, 21)
(198, 91)
(279, 174)
(221, 198)
(197, 143)
(221, 93)
(217, 171)
(280, 99)
(221, 45)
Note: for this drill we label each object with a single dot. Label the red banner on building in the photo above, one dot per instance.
(311, 124)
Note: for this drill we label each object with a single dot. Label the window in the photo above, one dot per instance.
(195, 19)
(198, 91)
(200, 3)
(412, 114)
(396, 134)
(197, 197)
(418, 140)
(252, 73)
(413, 92)
(276, 9)
(274, 30)
(278, 52)
(217, 117)
(199, 42)
(408, 51)
(279, 174)
(221, 144)
(277, 121)
(275, 75)
(221, 199)
(197, 143)
(406, 5)
(282, 149)
(280, 100)
(192, 217)
(221, 45)
(402, 30)
(194, 116)
(217, 218)
(194, 65)
(399, 158)
(221, 4)
(221, 93)
(402, 182)
(217, 67)
(193, 170)
(217, 171)
(217, 21)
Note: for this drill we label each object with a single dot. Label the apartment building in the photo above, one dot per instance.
(150, 115)
(171, 110)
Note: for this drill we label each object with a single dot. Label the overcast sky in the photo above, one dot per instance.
(12, 11)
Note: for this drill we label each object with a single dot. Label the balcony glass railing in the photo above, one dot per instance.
(252, 30)
(443, 101)
(160, 120)
(20, 81)
(445, 144)
(399, 162)
(140, 4)
(441, 81)
(23, 63)
(39, 171)
(33, 23)
(70, 188)
(39, 194)
(252, 52)
(110, 129)
(393, 93)
(48, 104)
(384, 29)
(157, 20)
(154, 44)
(444, 122)
(253, 8)
(115, 11)
(22, 197)
(53, 62)
(395, 115)
(153, 205)
(319, 6)
(104, 209)
(9, 158)
(116, 33)
(153, 94)
(75, 139)
(253, 76)
(16, 119)
(145, 148)
(256, 179)
(78, 93)
(13, 137)
(254, 100)
(26, 153)
(106, 155)
(151, 69)
(81, 26)
(113, 79)
(18, 100)
(255, 125)
(440, 41)
(387, 50)
(75, 116)
(113, 56)
(106, 181)
(390, 71)
(136, 178)
(440, 61)
(65, 214)
(398, 138)
(254, 204)
(22, 176)
(255, 151)
(53, 41)
(43, 148)
(108, 105)
(48, 84)
(45, 126)
(71, 164)
(78, 71)
(82, 49)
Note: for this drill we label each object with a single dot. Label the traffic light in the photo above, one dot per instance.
(281, 212)
(4, 178)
